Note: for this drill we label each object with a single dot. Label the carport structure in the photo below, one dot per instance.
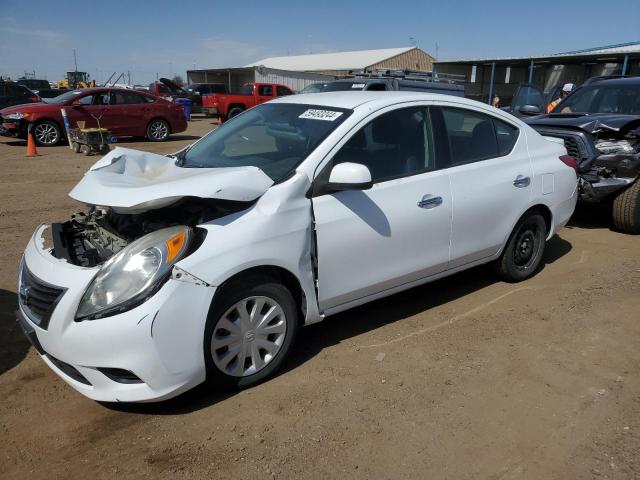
(234, 78)
(489, 76)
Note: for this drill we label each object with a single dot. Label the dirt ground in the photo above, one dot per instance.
(464, 378)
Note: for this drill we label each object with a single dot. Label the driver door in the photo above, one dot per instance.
(369, 241)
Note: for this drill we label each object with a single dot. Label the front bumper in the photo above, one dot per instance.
(159, 342)
(13, 128)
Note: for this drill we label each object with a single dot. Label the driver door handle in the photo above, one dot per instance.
(521, 181)
(429, 201)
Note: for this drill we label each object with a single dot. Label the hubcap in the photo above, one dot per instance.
(46, 134)
(159, 130)
(248, 336)
(525, 248)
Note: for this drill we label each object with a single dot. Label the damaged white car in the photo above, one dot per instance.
(204, 264)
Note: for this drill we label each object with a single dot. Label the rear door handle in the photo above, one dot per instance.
(429, 201)
(521, 181)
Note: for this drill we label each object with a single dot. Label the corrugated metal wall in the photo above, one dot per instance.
(296, 81)
(235, 78)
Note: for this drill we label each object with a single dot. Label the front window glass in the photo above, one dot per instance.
(265, 90)
(527, 95)
(64, 97)
(395, 144)
(246, 90)
(273, 137)
(622, 99)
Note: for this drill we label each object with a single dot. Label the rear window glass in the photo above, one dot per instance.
(475, 136)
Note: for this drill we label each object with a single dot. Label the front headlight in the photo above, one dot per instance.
(16, 116)
(134, 273)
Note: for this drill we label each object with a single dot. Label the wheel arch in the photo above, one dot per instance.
(280, 274)
(540, 208)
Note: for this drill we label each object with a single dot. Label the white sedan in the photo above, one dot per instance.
(203, 265)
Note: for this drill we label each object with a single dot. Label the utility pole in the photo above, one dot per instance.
(75, 60)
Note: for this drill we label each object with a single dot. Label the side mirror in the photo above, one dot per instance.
(349, 176)
(530, 110)
(76, 103)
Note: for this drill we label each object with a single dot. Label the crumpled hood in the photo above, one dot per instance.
(590, 123)
(132, 181)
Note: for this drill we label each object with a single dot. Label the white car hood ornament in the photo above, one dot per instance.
(132, 181)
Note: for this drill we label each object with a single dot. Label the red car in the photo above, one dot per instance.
(126, 113)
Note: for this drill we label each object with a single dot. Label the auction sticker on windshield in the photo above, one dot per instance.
(328, 115)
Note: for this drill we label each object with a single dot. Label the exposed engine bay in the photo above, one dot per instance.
(90, 238)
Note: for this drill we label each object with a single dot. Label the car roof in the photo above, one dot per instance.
(354, 99)
(617, 81)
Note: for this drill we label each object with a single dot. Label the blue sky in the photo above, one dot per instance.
(170, 37)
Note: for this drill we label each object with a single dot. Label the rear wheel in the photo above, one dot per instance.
(234, 111)
(158, 130)
(75, 146)
(46, 133)
(626, 209)
(523, 253)
(250, 330)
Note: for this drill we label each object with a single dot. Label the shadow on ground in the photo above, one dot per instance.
(334, 330)
(592, 215)
(13, 344)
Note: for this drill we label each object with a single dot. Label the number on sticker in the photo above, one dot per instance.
(314, 114)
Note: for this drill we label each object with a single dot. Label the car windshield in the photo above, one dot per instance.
(273, 137)
(622, 99)
(342, 86)
(64, 97)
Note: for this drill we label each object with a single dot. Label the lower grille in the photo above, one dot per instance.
(69, 370)
(38, 298)
(120, 375)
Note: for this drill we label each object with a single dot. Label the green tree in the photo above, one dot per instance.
(178, 80)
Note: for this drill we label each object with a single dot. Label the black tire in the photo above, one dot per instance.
(85, 149)
(158, 130)
(235, 111)
(75, 146)
(230, 295)
(46, 133)
(626, 209)
(523, 252)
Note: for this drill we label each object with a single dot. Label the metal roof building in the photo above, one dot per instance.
(298, 71)
(486, 76)
(341, 63)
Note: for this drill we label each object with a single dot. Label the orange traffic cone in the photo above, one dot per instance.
(31, 145)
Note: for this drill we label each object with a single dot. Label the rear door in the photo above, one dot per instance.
(127, 115)
(264, 93)
(369, 241)
(491, 177)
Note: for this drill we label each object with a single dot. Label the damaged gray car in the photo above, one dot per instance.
(600, 126)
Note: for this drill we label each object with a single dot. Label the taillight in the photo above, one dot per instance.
(34, 99)
(569, 161)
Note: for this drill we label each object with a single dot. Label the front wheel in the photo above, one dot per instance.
(158, 130)
(523, 253)
(626, 209)
(235, 111)
(47, 133)
(250, 330)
